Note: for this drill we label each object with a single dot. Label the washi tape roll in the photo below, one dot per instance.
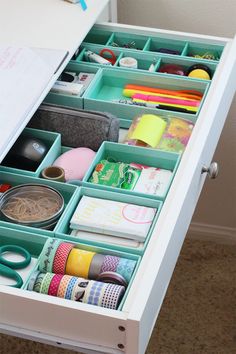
(94, 293)
(46, 283)
(128, 62)
(47, 255)
(126, 268)
(112, 296)
(110, 263)
(79, 289)
(32, 280)
(54, 285)
(61, 256)
(112, 278)
(63, 285)
(70, 287)
(38, 282)
(95, 266)
(78, 262)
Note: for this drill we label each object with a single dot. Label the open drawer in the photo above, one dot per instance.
(92, 329)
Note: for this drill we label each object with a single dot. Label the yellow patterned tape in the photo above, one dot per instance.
(78, 262)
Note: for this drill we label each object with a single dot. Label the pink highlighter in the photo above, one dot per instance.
(161, 99)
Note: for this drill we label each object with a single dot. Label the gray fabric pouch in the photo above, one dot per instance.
(78, 128)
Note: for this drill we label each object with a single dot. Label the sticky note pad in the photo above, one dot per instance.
(149, 129)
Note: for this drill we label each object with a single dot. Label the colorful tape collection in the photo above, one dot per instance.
(64, 271)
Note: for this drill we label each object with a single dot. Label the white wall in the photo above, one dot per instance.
(217, 204)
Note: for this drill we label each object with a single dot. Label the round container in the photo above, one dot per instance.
(32, 205)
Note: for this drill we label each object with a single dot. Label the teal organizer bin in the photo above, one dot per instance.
(133, 154)
(30, 241)
(53, 143)
(66, 190)
(98, 36)
(107, 91)
(70, 100)
(157, 44)
(203, 51)
(63, 230)
(128, 40)
(81, 58)
(103, 251)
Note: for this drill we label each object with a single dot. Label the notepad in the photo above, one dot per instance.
(113, 218)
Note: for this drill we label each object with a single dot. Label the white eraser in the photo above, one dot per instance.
(67, 88)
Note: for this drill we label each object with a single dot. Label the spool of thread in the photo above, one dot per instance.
(128, 62)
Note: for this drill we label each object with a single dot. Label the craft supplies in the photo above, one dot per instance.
(174, 138)
(199, 71)
(67, 88)
(4, 187)
(61, 257)
(113, 218)
(171, 69)
(207, 56)
(95, 58)
(7, 267)
(110, 57)
(54, 173)
(114, 174)
(166, 100)
(75, 162)
(128, 62)
(32, 205)
(85, 79)
(106, 239)
(168, 51)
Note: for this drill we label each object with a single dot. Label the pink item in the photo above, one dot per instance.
(75, 162)
(61, 256)
(160, 99)
(54, 285)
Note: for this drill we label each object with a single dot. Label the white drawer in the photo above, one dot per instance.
(93, 329)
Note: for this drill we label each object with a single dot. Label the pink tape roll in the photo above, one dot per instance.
(61, 256)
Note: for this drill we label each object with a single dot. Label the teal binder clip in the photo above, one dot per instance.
(83, 4)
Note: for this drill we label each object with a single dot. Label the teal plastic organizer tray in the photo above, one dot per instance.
(71, 100)
(30, 241)
(114, 152)
(53, 144)
(106, 93)
(66, 190)
(63, 229)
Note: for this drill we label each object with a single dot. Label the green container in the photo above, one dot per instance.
(53, 143)
(128, 154)
(66, 190)
(128, 40)
(203, 49)
(159, 44)
(98, 36)
(81, 58)
(69, 100)
(62, 229)
(30, 241)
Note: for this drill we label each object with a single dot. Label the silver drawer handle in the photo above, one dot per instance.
(212, 170)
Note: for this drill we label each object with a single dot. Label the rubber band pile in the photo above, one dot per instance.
(71, 273)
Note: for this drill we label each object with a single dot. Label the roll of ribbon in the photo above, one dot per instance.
(126, 268)
(128, 62)
(70, 287)
(94, 293)
(112, 296)
(61, 256)
(78, 262)
(46, 283)
(79, 289)
(32, 280)
(38, 282)
(110, 263)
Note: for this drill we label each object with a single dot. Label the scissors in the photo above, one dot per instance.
(7, 268)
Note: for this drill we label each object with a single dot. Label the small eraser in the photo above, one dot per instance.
(68, 88)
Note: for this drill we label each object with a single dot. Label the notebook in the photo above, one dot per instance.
(113, 218)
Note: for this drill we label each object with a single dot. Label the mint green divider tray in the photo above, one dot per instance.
(52, 141)
(200, 49)
(69, 100)
(185, 63)
(106, 92)
(67, 191)
(156, 43)
(128, 40)
(62, 229)
(107, 251)
(127, 153)
(97, 49)
(32, 242)
(98, 36)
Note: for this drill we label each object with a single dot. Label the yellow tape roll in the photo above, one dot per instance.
(78, 262)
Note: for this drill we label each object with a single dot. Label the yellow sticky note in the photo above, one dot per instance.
(149, 129)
